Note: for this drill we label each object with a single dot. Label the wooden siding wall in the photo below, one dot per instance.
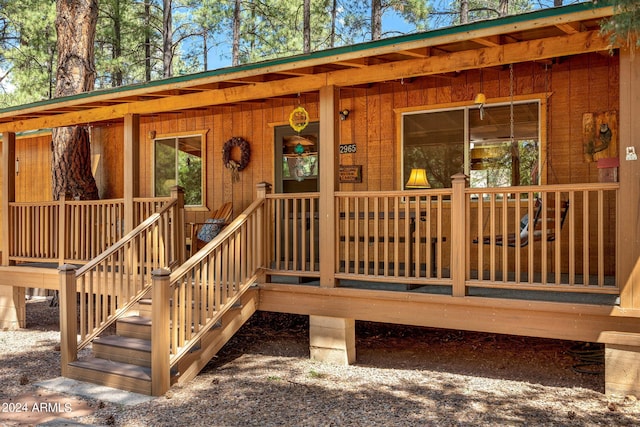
(34, 154)
(108, 160)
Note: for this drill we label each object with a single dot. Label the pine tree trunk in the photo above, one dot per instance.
(334, 14)
(167, 38)
(503, 8)
(147, 41)
(71, 157)
(376, 19)
(306, 45)
(464, 11)
(235, 53)
(72, 164)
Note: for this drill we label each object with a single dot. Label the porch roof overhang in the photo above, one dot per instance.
(537, 36)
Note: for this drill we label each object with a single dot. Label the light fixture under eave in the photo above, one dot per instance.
(418, 179)
(344, 114)
(480, 100)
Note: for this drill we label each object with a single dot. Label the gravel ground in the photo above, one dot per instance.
(404, 376)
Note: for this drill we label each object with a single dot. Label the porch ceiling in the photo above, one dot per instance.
(538, 36)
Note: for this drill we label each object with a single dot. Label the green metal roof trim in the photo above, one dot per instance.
(511, 19)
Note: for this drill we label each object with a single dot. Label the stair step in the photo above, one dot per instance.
(116, 368)
(124, 342)
(144, 307)
(134, 327)
(115, 348)
(119, 375)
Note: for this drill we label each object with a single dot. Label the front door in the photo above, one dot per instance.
(296, 171)
(296, 159)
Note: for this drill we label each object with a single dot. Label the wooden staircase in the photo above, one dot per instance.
(123, 360)
(198, 304)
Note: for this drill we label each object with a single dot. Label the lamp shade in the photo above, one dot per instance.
(480, 98)
(418, 179)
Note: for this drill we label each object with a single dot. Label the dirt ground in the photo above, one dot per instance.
(403, 376)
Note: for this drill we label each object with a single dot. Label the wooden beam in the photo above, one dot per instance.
(485, 57)
(570, 27)
(354, 63)
(526, 51)
(489, 41)
(576, 322)
(422, 52)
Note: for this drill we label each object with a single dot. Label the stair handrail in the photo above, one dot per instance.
(205, 269)
(112, 309)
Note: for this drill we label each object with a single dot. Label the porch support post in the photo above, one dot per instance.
(458, 235)
(8, 193)
(177, 193)
(160, 340)
(628, 231)
(622, 363)
(622, 350)
(68, 317)
(131, 168)
(331, 339)
(328, 152)
(264, 233)
(12, 298)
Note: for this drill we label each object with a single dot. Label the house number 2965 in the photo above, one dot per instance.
(347, 148)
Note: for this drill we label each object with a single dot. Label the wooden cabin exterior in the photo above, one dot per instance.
(333, 231)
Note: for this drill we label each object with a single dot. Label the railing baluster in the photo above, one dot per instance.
(586, 241)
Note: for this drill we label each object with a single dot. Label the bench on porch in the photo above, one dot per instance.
(387, 238)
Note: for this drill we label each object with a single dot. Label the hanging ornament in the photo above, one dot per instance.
(299, 149)
(299, 171)
(298, 119)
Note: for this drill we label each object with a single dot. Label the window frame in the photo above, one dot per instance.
(178, 135)
(540, 98)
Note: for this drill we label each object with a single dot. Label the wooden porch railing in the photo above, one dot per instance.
(88, 227)
(572, 246)
(457, 237)
(294, 232)
(194, 297)
(112, 282)
(397, 236)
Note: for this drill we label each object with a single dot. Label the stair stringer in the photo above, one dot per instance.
(190, 364)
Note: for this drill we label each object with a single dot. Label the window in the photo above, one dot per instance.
(178, 161)
(446, 142)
